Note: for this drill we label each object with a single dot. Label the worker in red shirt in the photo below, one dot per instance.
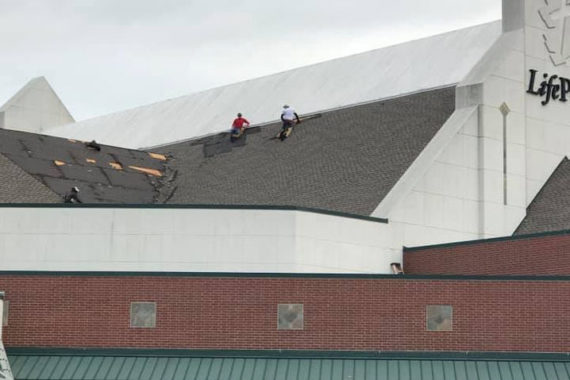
(238, 125)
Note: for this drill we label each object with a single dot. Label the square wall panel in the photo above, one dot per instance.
(290, 317)
(439, 318)
(143, 314)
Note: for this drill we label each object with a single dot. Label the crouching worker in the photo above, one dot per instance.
(72, 196)
(238, 126)
(288, 116)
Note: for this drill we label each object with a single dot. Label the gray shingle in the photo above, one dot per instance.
(345, 161)
(550, 209)
(17, 186)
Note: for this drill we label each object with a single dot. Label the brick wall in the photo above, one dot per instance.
(539, 255)
(241, 313)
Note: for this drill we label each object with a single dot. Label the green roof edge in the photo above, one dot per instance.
(356, 276)
(289, 354)
(491, 240)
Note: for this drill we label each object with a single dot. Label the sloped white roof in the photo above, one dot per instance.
(401, 69)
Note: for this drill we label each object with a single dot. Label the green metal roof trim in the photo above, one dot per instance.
(356, 276)
(112, 367)
(491, 240)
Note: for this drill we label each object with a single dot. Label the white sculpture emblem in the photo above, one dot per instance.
(556, 17)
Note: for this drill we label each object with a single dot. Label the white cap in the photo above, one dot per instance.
(75, 188)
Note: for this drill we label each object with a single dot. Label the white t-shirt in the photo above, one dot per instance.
(288, 113)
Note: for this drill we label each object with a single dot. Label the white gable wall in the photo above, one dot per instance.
(35, 108)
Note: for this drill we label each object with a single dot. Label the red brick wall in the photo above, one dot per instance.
(546, 255)
(241, 313)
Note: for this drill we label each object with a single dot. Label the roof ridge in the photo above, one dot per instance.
(324, 111)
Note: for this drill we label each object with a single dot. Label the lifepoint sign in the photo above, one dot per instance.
(551, 88)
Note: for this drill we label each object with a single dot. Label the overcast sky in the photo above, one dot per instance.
(103, 56)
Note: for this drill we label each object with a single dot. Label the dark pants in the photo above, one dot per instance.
(287, 124)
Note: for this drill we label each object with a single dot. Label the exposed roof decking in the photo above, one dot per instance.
(427, 63)
(57, 164)
(345, 161)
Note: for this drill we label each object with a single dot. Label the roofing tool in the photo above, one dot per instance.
(93, 145)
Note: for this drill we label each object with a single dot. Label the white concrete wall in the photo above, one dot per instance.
(443, 205)
(538, 136)
(548, 127)
(458, 191)
(190, 240)
(438, 197)
(333, 244)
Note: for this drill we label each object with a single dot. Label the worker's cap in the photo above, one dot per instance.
(75, 188)
(286, 106)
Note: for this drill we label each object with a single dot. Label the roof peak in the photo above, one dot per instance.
(34, 108)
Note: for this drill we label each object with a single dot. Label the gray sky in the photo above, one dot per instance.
(103, 56)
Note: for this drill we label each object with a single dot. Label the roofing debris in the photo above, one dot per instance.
(104, 174)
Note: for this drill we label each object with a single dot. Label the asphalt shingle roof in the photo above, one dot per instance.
(42, 169)
(17, 186)
(345, 161)
(550, 209)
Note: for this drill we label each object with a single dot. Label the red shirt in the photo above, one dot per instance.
(239, 122)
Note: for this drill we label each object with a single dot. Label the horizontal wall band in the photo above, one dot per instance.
(194, 207)
(355, 276)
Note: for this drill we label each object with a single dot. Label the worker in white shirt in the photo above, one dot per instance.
(288, 115)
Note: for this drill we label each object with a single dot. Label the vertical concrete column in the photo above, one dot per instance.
(502, 130)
